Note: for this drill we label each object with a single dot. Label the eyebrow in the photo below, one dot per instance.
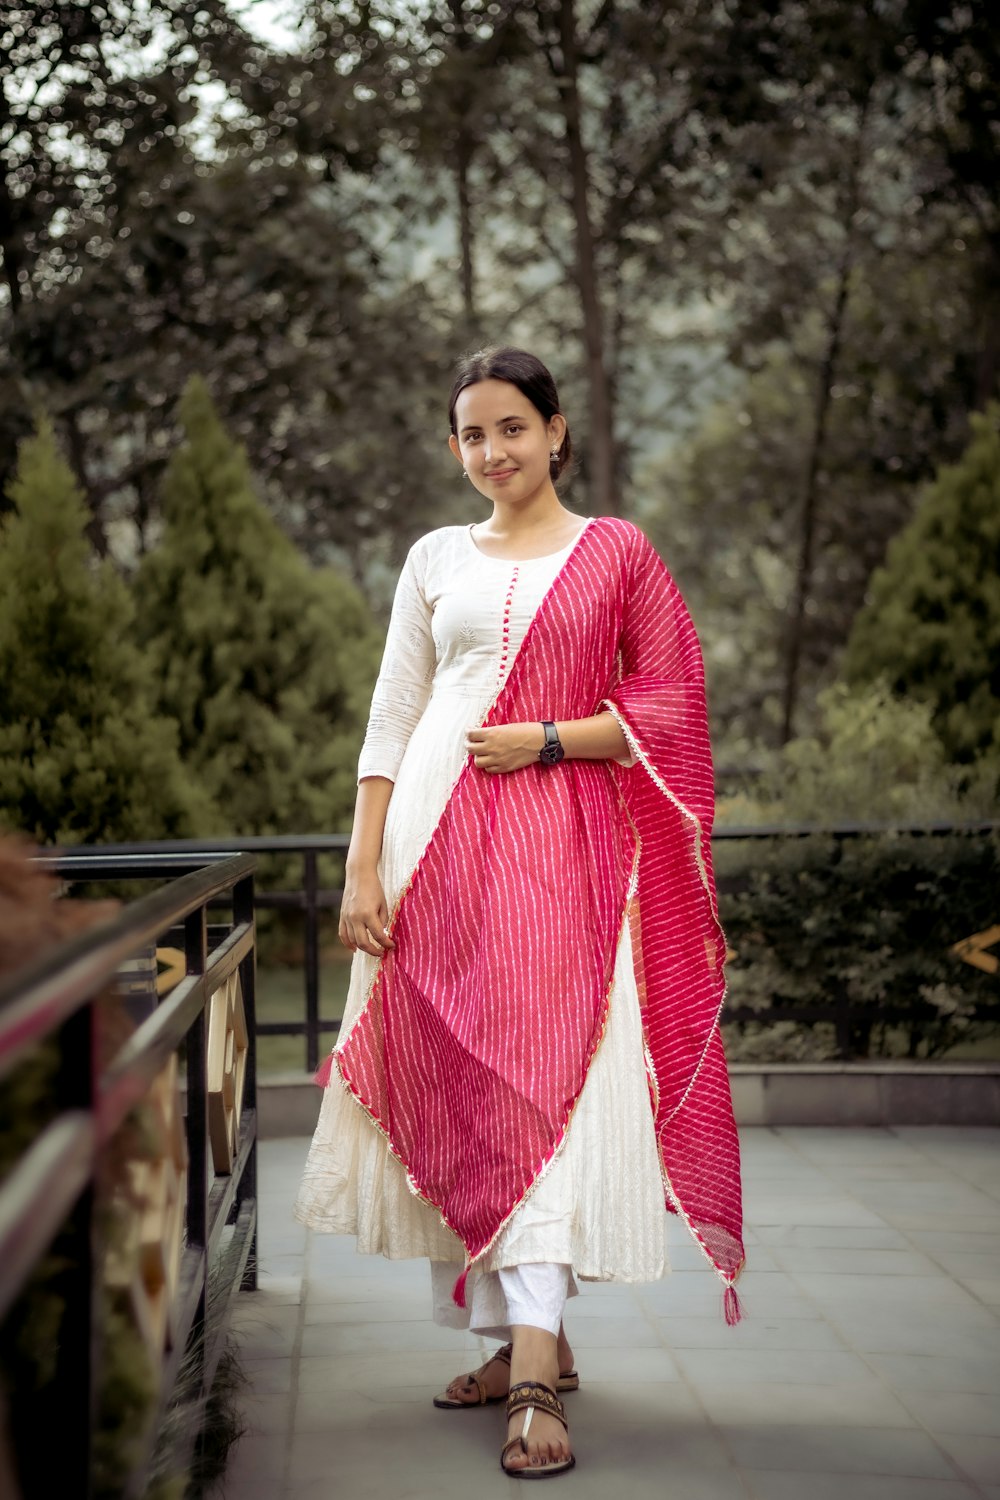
(502, 421)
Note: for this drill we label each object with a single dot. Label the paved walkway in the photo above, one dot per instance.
(868, 1365)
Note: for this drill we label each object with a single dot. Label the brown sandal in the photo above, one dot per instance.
(568, 1381)
(532, 1396)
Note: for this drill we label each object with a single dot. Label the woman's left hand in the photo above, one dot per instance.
(505, 747)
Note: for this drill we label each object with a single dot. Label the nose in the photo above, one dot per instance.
(494, 449)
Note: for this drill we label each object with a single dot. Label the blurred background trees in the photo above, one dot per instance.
(759, 247)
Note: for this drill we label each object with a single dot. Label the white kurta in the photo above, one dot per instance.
(599, 1206)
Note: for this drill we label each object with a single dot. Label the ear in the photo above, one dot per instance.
(453, 445)
(556, 429)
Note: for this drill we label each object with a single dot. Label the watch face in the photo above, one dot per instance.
(550, 755)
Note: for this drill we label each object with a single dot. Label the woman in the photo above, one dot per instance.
(530, 1061)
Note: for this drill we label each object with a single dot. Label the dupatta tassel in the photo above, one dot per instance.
(458, 1290)
(323, 1073)
(732, 1306)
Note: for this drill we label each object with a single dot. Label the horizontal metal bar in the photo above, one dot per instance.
(37, 998)
(848, 830)
(293, 1028)
(283, 843)
(37, 1195)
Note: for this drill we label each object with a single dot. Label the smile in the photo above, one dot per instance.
(501, 473)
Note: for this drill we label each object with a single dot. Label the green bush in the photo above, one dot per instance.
(265, 663)
(932, 624)
(83, 757)
(871, 920)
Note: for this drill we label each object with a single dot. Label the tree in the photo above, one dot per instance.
(931, 626)
(83, 759)
(265, 663)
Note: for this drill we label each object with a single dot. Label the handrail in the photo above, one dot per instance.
(42, 994)
(50, 1189)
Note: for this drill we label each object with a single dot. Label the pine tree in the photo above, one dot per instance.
(265, 662)
(932, 623)
(82, 757)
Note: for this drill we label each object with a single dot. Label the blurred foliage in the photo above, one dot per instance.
(869, 921)
(791, 206)
(264, 662)
(931, 626)
(83, 756)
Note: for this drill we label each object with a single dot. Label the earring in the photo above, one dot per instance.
(465, 473)
(554, 456)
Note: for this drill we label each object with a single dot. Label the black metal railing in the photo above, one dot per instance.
(311, 900)
(158, 858)
(50, 1190)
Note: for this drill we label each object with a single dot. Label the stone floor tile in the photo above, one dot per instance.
(814, 1406)
(975, 1454)
(268, 1377)
(851, 1261)
(804, 1367)
(987, 1291)
(955, 1411)
(822, 1449)
(774, 1484)
(390, 1309)
(611, 1333)
(426, 1370)
(266, 1332)
(330, 1288)
(938, 1372)
(267, 1414)
(901, 1330)
(350, 1339)
(254, 1457)
(833, 1236)
(917, 1292)
(834, 1209)
(755, 1332)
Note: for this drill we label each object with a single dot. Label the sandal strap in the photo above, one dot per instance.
(534, 1393)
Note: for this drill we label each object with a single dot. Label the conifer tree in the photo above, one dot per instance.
(82, 757)
(265, 662)
(932, 623)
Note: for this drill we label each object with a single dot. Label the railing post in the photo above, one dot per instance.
(75, 1391)
(312, 962)
(243, 912)
(196, 957)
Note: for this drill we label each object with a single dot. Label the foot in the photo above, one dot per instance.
(537, 1356)
(493, 1377)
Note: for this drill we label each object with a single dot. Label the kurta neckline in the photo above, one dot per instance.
(523, 562)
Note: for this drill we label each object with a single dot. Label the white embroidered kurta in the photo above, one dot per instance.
(457, 622)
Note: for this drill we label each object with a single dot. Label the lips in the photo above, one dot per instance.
(501, 473)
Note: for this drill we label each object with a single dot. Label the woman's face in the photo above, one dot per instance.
(503, 441)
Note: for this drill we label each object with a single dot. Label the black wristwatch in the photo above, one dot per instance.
(551, 752)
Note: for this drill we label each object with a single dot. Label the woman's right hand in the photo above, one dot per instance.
(364, 914)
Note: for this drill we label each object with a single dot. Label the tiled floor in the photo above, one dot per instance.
(867, 1367)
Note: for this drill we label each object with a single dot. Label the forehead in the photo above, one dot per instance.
(490, 401)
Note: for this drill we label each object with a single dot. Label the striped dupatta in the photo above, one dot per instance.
(475, 1039)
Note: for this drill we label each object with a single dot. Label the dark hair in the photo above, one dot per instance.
(530, 376)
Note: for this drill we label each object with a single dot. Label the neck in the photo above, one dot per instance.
(540, 513)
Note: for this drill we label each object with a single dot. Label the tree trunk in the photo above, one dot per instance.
(810, 498)
(601, 439)
(462, 165)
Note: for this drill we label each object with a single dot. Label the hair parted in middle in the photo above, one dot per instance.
(523, 370)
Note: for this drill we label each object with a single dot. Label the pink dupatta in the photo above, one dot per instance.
(480, 1025)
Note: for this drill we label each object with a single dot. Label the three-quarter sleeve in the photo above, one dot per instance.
(405, 676)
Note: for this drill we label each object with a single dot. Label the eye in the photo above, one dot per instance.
(514, 427)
